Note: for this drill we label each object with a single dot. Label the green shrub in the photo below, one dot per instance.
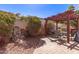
(34, 25)
(50, 27)
(6, 24)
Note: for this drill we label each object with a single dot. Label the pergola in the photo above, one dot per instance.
(65, 16)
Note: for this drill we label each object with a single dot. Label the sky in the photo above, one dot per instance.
(40, 10)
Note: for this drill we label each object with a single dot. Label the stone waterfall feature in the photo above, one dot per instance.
(77, 37)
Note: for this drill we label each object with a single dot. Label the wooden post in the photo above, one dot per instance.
(77, 24)
(57, 29)
(56, 26)
(46, 21)
(68, 31)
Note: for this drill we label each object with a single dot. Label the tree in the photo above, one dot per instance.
(77, 12)
(17, 14)
(74, 22)
(71, 7)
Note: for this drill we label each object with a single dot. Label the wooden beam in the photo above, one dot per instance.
(68, 31)
(57, 28)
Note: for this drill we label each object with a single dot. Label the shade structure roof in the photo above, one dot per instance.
(67, 15)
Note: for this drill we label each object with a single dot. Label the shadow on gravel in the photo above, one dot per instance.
(63, 42)
(2, 47)
(34, 42)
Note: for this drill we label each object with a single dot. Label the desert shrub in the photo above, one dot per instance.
(34, 25)
(6, 25)
(50, 27)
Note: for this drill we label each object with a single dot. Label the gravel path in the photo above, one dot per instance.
(48, 47)
(54, 48)
(12, 49)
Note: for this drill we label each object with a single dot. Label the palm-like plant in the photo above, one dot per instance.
(71, 7)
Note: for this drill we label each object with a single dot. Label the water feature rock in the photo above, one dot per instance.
(77, 37)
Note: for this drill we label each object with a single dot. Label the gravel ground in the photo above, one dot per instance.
(54, 48)
(39, 46)
(12, 49)
(49, 47)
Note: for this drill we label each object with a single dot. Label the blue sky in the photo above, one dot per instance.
(40, 10)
